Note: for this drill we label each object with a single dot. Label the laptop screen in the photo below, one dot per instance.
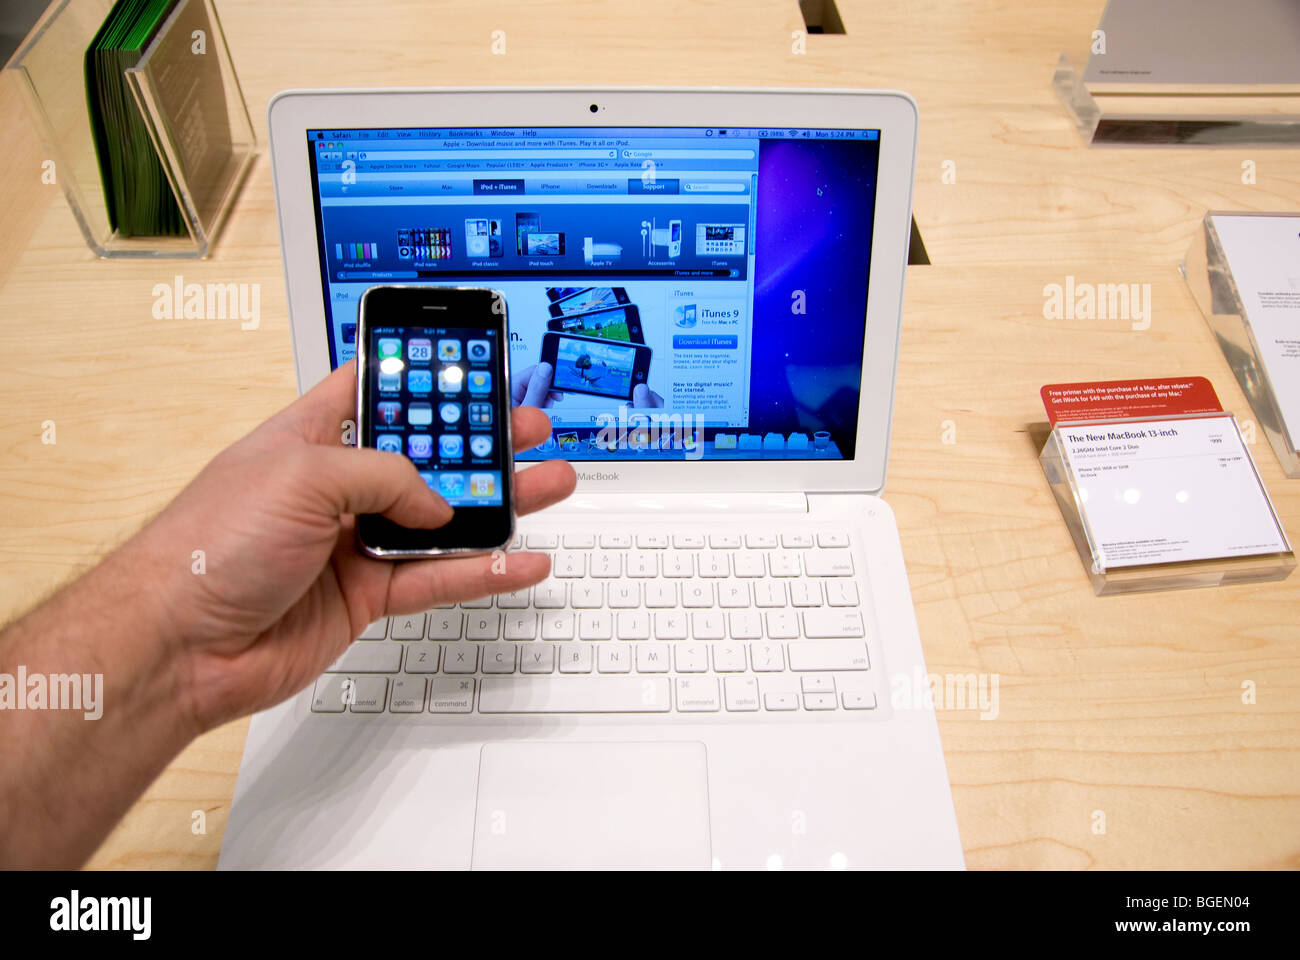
(672, 293)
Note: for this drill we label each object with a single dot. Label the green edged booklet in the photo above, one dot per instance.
(139, 199)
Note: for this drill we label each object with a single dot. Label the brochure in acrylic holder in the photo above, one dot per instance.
(1136, 578)
(185, 89)
(1207, 273)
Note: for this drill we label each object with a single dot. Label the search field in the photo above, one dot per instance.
(723, 187)
(652, 154)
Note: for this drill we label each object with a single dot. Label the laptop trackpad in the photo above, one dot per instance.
(556, 804)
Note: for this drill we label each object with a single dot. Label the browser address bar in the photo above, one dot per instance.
(503, 154)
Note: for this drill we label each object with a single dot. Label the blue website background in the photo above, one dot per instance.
(809, 232)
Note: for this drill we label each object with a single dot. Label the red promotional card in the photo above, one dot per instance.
(1117, 399)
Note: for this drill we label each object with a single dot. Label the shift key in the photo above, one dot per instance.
(364, 657)
(827, 655)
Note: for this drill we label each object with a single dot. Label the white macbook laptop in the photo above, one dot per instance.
(705, 679)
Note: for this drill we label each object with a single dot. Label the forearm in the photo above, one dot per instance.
(68, 775)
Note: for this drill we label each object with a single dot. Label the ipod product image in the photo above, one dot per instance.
(620, 323)
(600, 368)
(477, 238)
(585, 301)
(538, 244)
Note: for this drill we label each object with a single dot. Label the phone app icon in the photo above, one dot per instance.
(419, 414)
(480, 414)
(482, 484)
(389, 442)
(389, 348)
(450, 412)
(389, 381)
(419, 351)
(451, 485)
(478, 351)
(419, 446)
(480, 382)
(419, 381)
(451, 446)
(451, 379)
(480, 444)
(390, 412)
(448, 351)
(430, 478)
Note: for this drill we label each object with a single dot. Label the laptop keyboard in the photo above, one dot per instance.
(694, 622)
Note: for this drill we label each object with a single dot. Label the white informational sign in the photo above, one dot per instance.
(1263, 254)
(1162, 491)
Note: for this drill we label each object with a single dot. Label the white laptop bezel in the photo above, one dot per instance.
(292, 113)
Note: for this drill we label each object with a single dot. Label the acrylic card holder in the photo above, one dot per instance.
(1140, 561)
(1194, 72)
(186, 92)
(1118, 120)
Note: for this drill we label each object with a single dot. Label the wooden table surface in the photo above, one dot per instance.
(1129, 708)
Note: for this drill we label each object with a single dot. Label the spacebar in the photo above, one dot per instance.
(574, 695)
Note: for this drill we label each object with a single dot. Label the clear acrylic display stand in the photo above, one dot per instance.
(1191, 119)
(205, 154)
(1151, 576)
(1207, 273)
(1083, 110)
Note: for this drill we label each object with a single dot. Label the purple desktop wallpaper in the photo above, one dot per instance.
(816, 205)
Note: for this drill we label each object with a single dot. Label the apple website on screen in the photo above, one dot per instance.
(672, 293)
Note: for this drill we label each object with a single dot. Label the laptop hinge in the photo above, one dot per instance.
(650, 503)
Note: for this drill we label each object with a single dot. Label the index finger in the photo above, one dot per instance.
(320, 414)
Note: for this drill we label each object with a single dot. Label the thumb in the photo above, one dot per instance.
(644, 397)
(539, 385)
(363, 480)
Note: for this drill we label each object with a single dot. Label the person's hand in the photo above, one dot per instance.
(531, 387)
(280, 589)
(643, 398)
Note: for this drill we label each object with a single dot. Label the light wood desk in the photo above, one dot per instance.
(1130, 706)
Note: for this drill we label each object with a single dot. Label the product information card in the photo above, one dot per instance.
(1172, 487)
